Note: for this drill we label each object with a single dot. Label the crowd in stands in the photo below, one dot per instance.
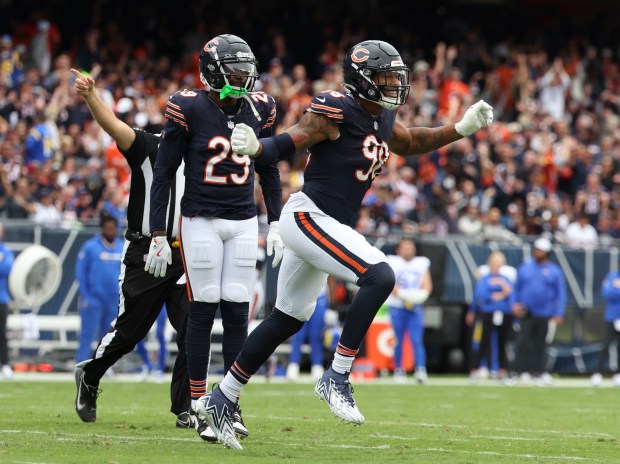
(548, 164)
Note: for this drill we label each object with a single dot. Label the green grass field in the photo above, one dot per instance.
(447, 421)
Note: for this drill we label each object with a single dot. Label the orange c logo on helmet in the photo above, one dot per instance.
(360, 59)
(211, 45)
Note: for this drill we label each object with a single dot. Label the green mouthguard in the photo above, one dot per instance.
(228, 90)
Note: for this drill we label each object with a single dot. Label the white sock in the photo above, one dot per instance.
(342, 364)
(231, 387)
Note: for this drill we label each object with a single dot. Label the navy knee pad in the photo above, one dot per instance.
(380, 276)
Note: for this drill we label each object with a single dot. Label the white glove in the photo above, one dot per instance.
(160, 255)
(244, 140)
(476, 117)
(412, 296)
(274, 243)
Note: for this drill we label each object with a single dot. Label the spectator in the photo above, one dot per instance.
(494, 230)
(97, 270)
(45, 210)
(540, 297)
(6, 264)
(553, 87)
(470, 223)
(580, 233)
(611, 294)
(413, 287)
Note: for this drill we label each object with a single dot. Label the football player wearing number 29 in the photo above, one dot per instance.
(349, 136)
(218, 227)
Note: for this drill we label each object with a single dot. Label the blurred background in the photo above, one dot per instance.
(548, 163)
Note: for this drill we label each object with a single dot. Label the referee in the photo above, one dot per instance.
(141, 294)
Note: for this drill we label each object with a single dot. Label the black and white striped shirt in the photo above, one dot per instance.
(141, 158)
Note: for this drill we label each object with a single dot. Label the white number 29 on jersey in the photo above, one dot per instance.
(225, 150)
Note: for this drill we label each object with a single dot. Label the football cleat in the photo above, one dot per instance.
(86, 397)
(185, 420)
(336, 390)
(218, 412)
(202, 428)
(238, 424)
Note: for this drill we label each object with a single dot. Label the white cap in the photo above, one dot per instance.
(543, 244)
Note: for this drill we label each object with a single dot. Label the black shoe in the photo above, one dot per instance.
(238, 424)
(86, 397)
(184, 421)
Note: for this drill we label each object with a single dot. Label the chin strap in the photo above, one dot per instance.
(249, 100)
(243, 93)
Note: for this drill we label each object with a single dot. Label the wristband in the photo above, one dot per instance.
(275, 149)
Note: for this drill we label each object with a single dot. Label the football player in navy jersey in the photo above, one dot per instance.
(218, 227)
(349, 136)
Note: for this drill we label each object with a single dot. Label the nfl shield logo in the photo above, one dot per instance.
(231, 125)
(376, 125)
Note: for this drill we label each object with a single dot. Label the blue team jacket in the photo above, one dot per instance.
(541, 288)
(611, 295)
(98, 267)
(6, 263)
(484, 290)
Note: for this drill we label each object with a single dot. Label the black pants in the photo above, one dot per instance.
(530, 345)
(4, 348)
(141, 301)
(610, 336)
(484, 350)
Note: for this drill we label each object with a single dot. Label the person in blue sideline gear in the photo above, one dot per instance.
(539, 297)
(312, 333)
(97, 269)
(611, 294)
(147, 366)
(38, 143)
(406, 305)
(218, 229)
(6, 264)
(493, 299)
(350, 137)
(142, 295)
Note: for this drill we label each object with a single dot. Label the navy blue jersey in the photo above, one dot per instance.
(340, 172)
(218, 182)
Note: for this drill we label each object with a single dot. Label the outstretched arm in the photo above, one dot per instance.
(122, 134)
(419, 140)
(311, 129)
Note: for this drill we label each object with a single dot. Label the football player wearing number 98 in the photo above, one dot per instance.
(350, 136)
(218, 228)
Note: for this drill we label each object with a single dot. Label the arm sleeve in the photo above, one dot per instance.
(169, 156)
(143, 144)
(269, 179)
(561, 308)
(82, 270)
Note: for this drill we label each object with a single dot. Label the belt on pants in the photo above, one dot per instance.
(133, 236)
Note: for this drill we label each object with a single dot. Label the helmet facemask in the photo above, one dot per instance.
(231, 77)
(392, 87)
(389, 89)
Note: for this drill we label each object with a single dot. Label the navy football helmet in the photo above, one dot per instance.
(228, 61)
(373, 70)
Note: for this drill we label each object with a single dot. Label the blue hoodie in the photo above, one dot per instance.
(541, 288)
(98, 268)
(485, 288)
(611, 294)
